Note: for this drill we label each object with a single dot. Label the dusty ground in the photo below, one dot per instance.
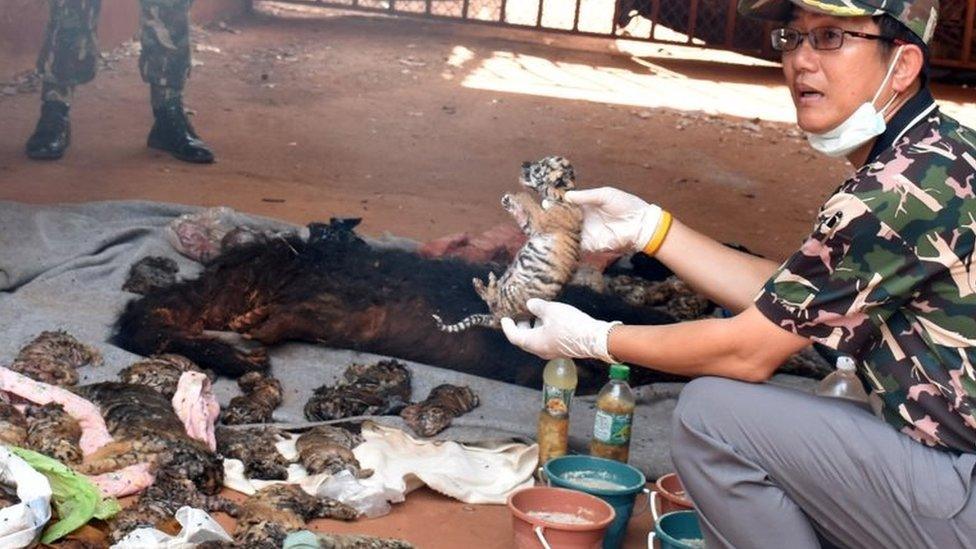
(401, 122)
(419, 127)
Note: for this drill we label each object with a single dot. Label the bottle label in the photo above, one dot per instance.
(613, 429)
(556, 401)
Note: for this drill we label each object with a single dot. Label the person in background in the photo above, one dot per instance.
(69, 58)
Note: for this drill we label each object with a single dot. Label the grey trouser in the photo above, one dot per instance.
(774, 467)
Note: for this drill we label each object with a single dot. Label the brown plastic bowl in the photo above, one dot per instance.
(673, 495)
(529, 529)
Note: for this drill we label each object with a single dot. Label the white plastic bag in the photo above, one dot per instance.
(197, 527)
(199, 235)
(22, 523)
(370, 499)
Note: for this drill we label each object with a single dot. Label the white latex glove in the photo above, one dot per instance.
(615, 221)
(560, 331)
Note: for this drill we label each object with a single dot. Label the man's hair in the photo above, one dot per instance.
(893, 28)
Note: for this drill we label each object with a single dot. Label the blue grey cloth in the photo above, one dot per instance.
(63, 266)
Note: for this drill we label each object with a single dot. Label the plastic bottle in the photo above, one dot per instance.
(843, 382)
(614, 416)
(558, 385)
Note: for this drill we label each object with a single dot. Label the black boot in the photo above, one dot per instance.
(173, 133)
(52, 134)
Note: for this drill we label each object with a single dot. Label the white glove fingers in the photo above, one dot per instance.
(538, 307)
(586, 197)
(515, 334)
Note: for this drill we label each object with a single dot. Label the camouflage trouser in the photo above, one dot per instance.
(70, 53)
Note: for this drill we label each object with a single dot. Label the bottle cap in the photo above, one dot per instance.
(846, 363)
(619, 371)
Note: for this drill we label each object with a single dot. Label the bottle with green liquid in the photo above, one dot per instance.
(614, 416)
(558, 386)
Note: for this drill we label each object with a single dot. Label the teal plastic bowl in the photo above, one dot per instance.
(677, 530)
(612, 481)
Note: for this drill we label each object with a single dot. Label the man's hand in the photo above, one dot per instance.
(560, 331)
(615, 221)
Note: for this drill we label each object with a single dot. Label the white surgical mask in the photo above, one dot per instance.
(860, 127)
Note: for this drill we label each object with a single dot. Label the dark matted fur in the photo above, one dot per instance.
(274, 512)
(146, 429)
(53, 357)
(158, 503)
(150, 273)
(13, 425)
(52, 432)
(328, 448)
(336, 290)
(160, 372)
(364, 389)
(255, 448)
(435, 413)
(262, 395)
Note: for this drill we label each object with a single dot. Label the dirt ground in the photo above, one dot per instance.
(419, 127)
(395, 120)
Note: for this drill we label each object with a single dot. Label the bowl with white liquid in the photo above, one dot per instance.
(557, 518)
(612, 481)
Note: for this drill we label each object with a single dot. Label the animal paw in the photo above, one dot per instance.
(237, 362)
(479, 287)
(248, 320)
(508, 202)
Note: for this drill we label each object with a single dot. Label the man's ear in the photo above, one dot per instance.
(908, 68)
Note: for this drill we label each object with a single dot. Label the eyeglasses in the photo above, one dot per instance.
(821, 38)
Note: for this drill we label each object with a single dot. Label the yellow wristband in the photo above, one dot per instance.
(659, 234)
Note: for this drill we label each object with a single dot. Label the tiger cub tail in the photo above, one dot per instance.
(485, 320)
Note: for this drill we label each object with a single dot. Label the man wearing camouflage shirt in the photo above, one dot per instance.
(887, 276)
(69, 57)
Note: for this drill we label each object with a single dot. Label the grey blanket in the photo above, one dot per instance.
(63, 267)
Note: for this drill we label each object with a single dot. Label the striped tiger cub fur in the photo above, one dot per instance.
(548, 259)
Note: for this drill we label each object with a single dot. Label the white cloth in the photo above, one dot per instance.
(371, 501)
(197, 527)
(485, 473)
(20, 524)
(470, 473)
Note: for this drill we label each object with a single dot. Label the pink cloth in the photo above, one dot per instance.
(197, 407)
(94, 433)
(499, 244)
(126, 481)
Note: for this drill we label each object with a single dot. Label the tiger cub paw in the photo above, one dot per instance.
(479, 287)
(508, 202)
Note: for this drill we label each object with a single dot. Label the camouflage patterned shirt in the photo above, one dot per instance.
(888, 276)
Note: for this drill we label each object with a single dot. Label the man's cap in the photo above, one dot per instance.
(920, 16)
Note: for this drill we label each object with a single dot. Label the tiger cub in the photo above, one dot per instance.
(547, 260)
